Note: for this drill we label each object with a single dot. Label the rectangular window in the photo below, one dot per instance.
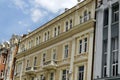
(41, 77)
(85, 16)
(105, 58)
(81, 73)
(66, 51)
(37, 41)
(45, 37)
(115, 12)
(48, 35)
(80, 46)
(58, 30)
(66, 26)
(54, 54)
(51, 76)
(106, 17)
(44, 58)
(35, 61)
(70, 23)
(55, 32)
(65, 75)
(114, 46)
(80, 19)
(27, 63)
(85, 44)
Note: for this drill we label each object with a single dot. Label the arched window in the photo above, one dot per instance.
(89, 14)
(45, 37)
(85, 16)
(55, 30)
(58, 30)
(80, 19)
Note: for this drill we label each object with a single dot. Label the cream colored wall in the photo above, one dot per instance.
(79, 59)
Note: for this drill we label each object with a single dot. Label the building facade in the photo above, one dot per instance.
(61, 49)
(107, 48)
(10, 62)
(4, 50)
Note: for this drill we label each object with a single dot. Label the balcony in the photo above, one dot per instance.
(31, 70)
(50, 65)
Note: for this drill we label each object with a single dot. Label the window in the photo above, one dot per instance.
(115, 12)
(19, 67)
(51, 76)
(37, 41)
(29, 44)
(4, 59)
(66, 51)
(105, 58)
(89, 14)
(58, 30)
(65, 75)
(35, 61)
(85, 44)
(48, 35)
(32, 78)
(27, 63)
(114, 46)
(81, 73)
(70, 23)
(67, 26)
(80, 19)
(45, 37)
(80, 46)
(85, 16)
(41, 77)
(55, 32)
(54, 54)
(44, 58)
(106, 17)
(1, 73)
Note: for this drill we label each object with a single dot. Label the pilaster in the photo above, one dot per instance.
(72, 59)
(90, 56)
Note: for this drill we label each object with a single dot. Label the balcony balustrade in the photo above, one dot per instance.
(50, 65)
(31, 70)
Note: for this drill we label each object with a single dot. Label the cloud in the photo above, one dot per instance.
(55, 5)
(36, 14)
(20, 4)
(38, 9)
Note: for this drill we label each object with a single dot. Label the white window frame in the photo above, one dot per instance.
(64, 51)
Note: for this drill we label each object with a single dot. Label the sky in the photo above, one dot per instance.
(22, 16)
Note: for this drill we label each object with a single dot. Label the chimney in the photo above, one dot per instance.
(66, 9)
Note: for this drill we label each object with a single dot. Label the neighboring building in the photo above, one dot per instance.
(61, 49)
(107, 48)
(4, 50)
(10, 63)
